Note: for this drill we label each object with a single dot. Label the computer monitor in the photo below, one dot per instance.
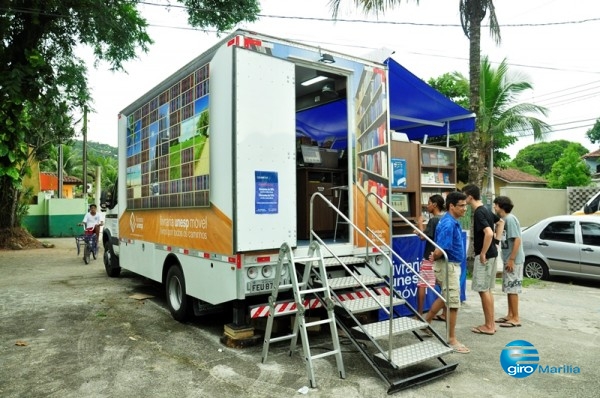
(310, 154)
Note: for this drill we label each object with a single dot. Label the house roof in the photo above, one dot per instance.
(593, 154)
(518, 176)
(66, 179)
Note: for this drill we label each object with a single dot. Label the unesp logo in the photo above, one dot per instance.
(132, 222)
(519, 359)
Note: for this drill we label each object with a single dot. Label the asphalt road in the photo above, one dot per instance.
(67, 330)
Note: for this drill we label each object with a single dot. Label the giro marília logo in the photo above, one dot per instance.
(519, 359)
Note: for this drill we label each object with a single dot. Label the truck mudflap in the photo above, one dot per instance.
(289, 306)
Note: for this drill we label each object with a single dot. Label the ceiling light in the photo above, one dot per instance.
(313, 80)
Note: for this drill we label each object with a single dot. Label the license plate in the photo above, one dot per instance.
(260, 286)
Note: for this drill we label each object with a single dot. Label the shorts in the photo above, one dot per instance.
(426, 272)
(484, 275)
(512, 282)
(453, 283)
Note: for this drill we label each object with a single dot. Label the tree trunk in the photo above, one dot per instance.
(8, 203)
(476, 157)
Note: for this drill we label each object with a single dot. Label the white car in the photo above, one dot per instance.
(563, 245)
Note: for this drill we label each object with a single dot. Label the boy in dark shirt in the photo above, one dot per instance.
(487, 230)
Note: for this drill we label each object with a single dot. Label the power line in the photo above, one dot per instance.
(379, 22)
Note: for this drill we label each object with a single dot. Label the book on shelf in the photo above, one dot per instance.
(425, 158)
(425, 197)
(439, 178)
(433, 158)
(430, 178)
(447, 178)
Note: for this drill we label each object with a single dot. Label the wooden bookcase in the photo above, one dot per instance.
(438, 172)
(405, 183)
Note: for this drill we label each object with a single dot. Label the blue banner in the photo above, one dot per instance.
(410, 248)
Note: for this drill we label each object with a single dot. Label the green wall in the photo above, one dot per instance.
(55, 217)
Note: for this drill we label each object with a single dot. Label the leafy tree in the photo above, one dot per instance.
(593, 134)
(500, 113)
(542, 156)
(569, 170)
(42, 82)
(525, 167)
(457, 89)
(453, 86)
(472, 14)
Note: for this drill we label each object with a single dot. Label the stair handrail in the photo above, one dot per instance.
(314, 235)
(416, 229)
(381, 252)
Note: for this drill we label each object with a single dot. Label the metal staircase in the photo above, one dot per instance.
(403, 351)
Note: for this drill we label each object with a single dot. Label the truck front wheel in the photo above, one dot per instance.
(111, 261)
(177, 299)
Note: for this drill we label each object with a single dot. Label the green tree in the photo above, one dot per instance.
(542, 155)
(500, 112)
(456, 88)
(453, 86)
(593, 134)
(472, 14)
(42, 82)
(569, 170)
(108, 169)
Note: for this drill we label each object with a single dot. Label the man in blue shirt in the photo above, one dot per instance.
(448, 236)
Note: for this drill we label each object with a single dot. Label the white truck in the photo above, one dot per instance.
(217, 165)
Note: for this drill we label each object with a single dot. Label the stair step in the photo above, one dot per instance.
(349, 281)
(345, 259)
(368, 303)
(304, 260)
(380, 329)
(415, 353)
(331, 261)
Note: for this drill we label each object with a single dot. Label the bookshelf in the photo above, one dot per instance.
(405, 183)
(438, 171)
(372, 135)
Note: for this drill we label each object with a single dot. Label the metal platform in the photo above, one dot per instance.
(349, 281)
(381, 329)
(415, 353)
(369, 303)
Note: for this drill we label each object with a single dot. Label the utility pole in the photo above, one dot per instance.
(61, 177)
(84, 132)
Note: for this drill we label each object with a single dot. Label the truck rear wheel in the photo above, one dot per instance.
(177, 299)
(111, 261)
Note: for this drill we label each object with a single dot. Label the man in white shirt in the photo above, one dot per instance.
(93, 220)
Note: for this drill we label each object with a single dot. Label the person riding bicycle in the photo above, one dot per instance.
(93, 220)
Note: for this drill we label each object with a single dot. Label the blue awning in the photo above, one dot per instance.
(416, 109)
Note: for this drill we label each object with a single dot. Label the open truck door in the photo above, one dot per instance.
(252, 113)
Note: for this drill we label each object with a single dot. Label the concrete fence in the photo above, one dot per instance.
(55, 217)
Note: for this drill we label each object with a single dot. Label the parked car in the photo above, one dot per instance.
(563, 245)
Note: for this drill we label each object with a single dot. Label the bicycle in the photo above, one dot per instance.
(87, 241)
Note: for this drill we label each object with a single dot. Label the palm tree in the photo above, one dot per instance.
(472, 13)
(72, 165)
(501, 119)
